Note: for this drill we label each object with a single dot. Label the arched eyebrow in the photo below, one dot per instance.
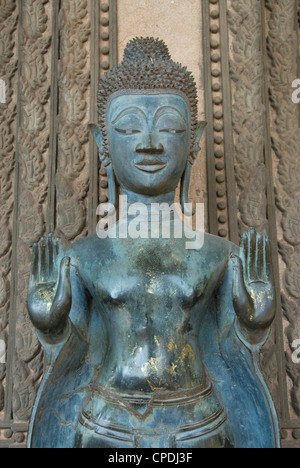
(129, 110)
(166, 110)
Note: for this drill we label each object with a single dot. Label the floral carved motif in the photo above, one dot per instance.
(74, 79)
(8, 69)
(248, 111)
(32, 150)
(249, 132)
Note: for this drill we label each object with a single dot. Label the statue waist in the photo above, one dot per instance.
(187, 409)
(160, 399)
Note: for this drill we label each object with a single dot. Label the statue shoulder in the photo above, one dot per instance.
(85, 248)
(219, 245)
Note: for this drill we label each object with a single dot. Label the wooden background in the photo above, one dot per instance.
(52, 53)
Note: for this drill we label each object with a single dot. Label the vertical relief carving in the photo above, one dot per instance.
(218, 119)
(31, 192)
(249, 127)
(8, 67)
(74, 79)
(246, 68)
(105, 63)
(283, 52)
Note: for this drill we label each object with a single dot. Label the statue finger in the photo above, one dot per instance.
(240, 293)
(267, 266)
(251, 262)
(57, 256)
(60, 251)
(244, 254)
(54, 258)
(49, 257)
(238, 273)
(259, 257)
(247, 250)
(42, 260)
(34, 270)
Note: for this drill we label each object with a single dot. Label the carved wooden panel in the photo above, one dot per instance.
(49, 172)
(253, 137)
(282, 46)
(74, 79)
(248, 112)
(249, 122)
(8, 108)
(30, 194)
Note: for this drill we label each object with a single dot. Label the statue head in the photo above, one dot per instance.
(148, 107)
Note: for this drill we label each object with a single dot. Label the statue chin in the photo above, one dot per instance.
(150, 344)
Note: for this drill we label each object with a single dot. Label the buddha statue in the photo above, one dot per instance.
(150, 344)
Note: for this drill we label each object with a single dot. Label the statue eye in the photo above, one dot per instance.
(127, 131)
(172, 131)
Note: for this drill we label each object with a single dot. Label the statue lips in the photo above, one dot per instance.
(150, 165)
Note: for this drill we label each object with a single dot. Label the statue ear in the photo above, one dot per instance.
(185, 181)
(184, 190)
(95, 129)
(112, 183)
(199, 132)
(113, 187)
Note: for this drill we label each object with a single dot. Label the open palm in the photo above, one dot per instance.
(49, 296)
(253, 282)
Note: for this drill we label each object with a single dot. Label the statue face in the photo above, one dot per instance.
(149, 141)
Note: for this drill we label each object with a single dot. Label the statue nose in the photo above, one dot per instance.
(148, 146)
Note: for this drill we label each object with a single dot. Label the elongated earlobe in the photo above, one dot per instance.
(112, 187)
(112, 183)
(199, 131)
(95, 129)
(184, 190)
(98, 135)
(186, 178)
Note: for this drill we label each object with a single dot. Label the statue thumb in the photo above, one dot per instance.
(63, 297)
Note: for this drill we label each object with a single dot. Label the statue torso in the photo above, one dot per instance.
(152, 294)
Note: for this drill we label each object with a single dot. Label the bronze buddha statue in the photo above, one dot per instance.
(149, 344)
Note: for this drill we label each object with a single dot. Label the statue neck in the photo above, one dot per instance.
(154, 205)
(148, 199)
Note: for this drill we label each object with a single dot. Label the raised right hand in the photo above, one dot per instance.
(49, 295)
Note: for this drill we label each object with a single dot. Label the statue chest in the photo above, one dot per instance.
(147, 289)
(150, 281)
